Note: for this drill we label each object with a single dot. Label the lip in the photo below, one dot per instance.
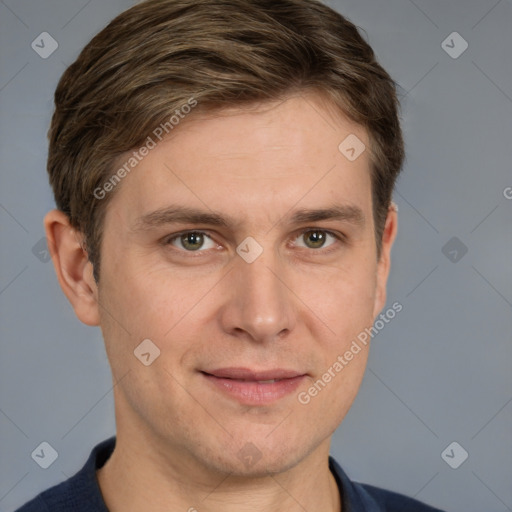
(252, 387)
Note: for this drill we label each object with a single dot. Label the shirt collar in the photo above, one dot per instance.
(354, 497)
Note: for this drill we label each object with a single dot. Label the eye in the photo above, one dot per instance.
(192, 241)
(315, 239)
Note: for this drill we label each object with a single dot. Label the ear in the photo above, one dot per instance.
(72, 265)
(384, 263)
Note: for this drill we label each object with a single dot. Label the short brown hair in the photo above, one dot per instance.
(154, 57)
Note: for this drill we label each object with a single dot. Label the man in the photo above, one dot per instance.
(223, 173)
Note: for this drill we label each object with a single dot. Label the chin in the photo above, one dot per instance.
(258, 468)
(246, 460)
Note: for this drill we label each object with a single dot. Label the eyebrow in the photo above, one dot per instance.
(181, 214)
(347, 213)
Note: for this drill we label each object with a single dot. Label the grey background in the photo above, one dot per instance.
(439, 372)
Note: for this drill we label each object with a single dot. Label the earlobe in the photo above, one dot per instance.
(72, 265)
(384, 263)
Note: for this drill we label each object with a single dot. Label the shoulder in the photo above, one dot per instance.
(357, 497)
(394, 502)
(54, 499)
(80, 493)
(35, 505)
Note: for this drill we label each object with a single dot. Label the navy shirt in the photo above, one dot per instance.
(81, 492)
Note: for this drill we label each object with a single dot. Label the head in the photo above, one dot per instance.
(183, 128)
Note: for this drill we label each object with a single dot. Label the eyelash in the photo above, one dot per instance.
(339, 238)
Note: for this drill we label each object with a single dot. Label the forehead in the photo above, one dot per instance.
(251, 161)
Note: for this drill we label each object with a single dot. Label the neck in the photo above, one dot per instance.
(143, 474)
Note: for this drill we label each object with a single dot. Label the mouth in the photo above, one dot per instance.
(251, 387)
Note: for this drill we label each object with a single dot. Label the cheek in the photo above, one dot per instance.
(163, 306)
(147, 301)
(342, 300)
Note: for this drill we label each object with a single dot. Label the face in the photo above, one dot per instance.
(243, 247)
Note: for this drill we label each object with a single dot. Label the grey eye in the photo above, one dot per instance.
(315, 239)
(192, 241)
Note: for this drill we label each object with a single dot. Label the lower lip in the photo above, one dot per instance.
(255, 393)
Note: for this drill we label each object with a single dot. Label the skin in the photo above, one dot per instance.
(295, 307)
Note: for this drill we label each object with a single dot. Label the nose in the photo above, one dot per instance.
(259, 304)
